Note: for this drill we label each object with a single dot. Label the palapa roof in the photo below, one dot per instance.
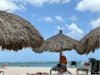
(16, 32)
(57, 43)
(90, 42)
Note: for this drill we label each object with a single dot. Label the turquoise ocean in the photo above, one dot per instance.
(33, 64)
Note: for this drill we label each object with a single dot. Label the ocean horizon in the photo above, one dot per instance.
(34, 64)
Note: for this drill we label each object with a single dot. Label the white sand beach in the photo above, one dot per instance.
(25, 70)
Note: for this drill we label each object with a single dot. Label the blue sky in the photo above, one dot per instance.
(75, 17)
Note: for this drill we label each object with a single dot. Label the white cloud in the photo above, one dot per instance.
(46, 19)
(74, 31)
(38, 3)
(8, 4)
(65, 1)
(21, 1)
(95, 23)
(74, 18)
(22, 7)
(50, 19)
(60, 28)
(74, 28)
(89, 5)
(58, 1)
(20, 4)
(12, 5)
(59, 18)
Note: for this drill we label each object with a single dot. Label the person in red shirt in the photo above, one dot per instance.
(62, 59)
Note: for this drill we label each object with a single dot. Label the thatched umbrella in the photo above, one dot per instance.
(57, 43)
(16, 32)
(89, 42)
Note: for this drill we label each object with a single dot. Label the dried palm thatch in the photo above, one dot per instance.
(57, 43)
(16, 32)
(90, 42)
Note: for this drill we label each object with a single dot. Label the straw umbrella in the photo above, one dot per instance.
(57, 43)
(89, 42)
(16, 32)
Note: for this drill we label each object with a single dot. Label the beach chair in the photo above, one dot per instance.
(61, 70)
(83, 70)
(73, 64)
(85, 67)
